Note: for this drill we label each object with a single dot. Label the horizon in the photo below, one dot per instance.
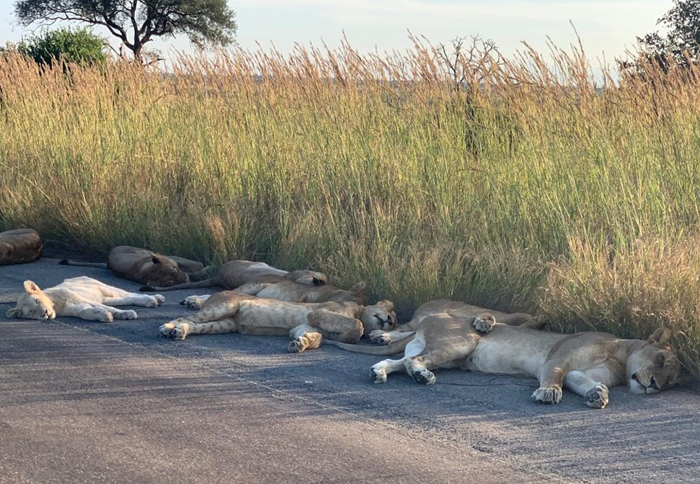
(384, 25)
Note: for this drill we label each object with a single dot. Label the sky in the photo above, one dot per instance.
(606, 28)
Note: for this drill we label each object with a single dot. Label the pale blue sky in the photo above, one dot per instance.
(604, 26)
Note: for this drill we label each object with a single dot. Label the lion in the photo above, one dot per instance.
(80, 297)
(147, 267)
(254, 276)
(587, 363)
(19, 246)
(463, 323)
(307, 324)
(453, 308)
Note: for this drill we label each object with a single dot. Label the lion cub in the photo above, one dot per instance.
(80, 297)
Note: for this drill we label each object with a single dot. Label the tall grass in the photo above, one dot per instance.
(523, 184)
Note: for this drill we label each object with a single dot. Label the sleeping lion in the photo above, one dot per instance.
(80, 297)
(586, 363)
(307, 324)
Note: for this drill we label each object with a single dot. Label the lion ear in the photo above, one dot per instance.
(156, 259)
(12, 313)
(358, 288)
(318, 282)
(660, 337)
(389, 305)
(31, 287)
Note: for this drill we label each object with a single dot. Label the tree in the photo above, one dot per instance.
(681, 45)
(137, 22)
(80, 46)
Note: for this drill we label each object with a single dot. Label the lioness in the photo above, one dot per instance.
(237, 273)
(80, 297)
(19, 246)
(306, 323)
(462, 324)
(586, 363)
(291, 291)
(456, 309)
(146, 267)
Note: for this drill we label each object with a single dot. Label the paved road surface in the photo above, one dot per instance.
(92, 402)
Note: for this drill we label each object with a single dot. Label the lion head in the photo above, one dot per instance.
(33, 304)
(654, 366)
(379, 316)
(164, 273)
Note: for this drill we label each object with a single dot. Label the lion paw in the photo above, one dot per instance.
(296, 346)
(192, 302)
(423, 376)
(377, 375)
(550, 394)
(129, 314)
(380, 337)
(174, 331)
(160, 299)
(597, 397)
(106, 317)
(484, 323)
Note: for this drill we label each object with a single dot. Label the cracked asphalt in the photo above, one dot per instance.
(93, 402)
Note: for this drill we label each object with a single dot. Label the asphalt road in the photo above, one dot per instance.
(93, 402)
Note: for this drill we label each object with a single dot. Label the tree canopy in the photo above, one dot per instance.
(137, 22)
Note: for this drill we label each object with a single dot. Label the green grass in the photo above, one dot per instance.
(534, 192)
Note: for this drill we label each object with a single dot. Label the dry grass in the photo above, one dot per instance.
(532, 190)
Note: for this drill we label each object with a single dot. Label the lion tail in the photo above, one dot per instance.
(390, 349)
(67, 262)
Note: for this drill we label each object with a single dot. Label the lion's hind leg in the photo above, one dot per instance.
(595, 393)
(378, 373)
(181, 328)
(133, 299)
(304, 337)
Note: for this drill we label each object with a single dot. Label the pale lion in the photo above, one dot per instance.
(255, 278)
(147, 267)
(307, 324)
(80, 297)
(19, 246)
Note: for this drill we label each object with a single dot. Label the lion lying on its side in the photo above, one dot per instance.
(19, 246)
(586, 363)
(306, 324)
(80, 297)
(463, 325)
(258, 278)
(146, 267)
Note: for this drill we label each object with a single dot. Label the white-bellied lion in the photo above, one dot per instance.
(307, 324)
(147, 267)
(451, 330)
(19, 246)
(80, 297)
(586, 363)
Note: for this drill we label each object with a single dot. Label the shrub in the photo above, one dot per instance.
(79, 46)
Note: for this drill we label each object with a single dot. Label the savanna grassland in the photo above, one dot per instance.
(522, 184)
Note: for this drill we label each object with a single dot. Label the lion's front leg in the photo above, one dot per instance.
(551, 382)
(181, 328)
(595, 394)
(335, 326)
(382, 337)
(304, 337)
(88, 312)
(195, 302)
